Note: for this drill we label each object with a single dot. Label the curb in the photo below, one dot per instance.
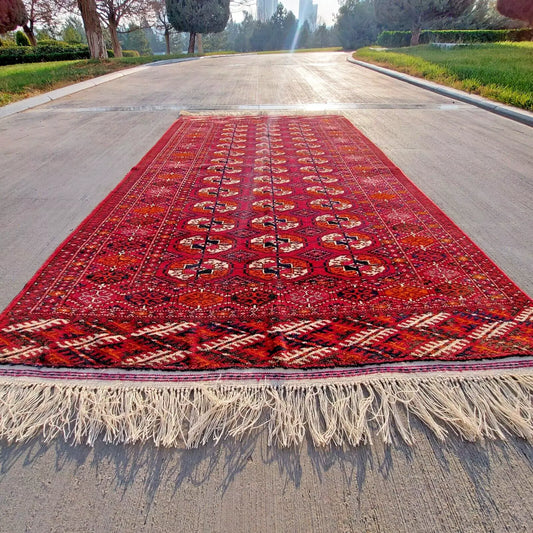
(34, 101)
(518, 115)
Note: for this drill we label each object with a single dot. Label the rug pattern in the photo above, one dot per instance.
(265, 242)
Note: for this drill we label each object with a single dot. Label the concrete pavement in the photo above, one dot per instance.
(520, 115)
(61, 158)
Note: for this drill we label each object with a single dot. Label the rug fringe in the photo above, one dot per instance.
(346, 413)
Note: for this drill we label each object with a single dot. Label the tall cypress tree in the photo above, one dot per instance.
(198, 16)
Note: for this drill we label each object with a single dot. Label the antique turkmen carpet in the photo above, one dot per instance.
(266, 272)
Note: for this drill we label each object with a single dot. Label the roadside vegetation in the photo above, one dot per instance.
(499, 71)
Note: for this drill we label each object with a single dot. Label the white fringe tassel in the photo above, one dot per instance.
(474, 407)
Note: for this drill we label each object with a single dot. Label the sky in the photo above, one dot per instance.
(327, 9)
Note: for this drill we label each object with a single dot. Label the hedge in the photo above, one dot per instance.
(42, 52)
(397, 39)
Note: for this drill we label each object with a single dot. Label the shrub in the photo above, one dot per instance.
(22, 39)
(130, 53)
(7, 41)
(394, 39)
(44, 51)
(397, 39)
(110, 53)
(52, 42)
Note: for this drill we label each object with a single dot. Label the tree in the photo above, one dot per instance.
(414, 13)
(93, 29)
(45, 34)
(279, 32)
(323, 37)
(243, 34)
(283, 26)
(516, 9)
(198, 16)
(178, 42)
(72, 31)
(113, 11)
(161, 20)
(356, 24)
(215, 42)
(261, 37)
(12, 14)
(304, 36)
(135, 39)
(155, 42)
(40, 13)
(482, 15)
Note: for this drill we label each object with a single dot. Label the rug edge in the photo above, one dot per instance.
(494, 405)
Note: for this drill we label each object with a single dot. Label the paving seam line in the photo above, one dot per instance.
(34, 101)
(525, 117)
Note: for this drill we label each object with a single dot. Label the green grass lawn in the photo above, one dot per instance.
(29, 79)
(499, 71)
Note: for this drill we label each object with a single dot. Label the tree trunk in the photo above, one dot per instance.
(192, 38)
(117, 47)
(200, 46)
(416, 29)
(28, 30)
(93, 29)
(167, 40)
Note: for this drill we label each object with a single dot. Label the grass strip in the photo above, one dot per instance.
(500, 71)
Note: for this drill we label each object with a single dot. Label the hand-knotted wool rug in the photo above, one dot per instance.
(266, 272)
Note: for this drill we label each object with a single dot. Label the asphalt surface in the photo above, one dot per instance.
(61, 158)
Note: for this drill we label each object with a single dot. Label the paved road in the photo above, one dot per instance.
(59, 160)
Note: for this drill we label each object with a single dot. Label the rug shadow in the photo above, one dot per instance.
(131, 462)
(478, 459)
(224, 461)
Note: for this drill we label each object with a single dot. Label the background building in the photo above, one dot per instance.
(265, 9)
(307, 11)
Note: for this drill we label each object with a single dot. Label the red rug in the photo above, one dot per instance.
(274, 247)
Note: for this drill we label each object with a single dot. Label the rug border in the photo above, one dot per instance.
(258, 376)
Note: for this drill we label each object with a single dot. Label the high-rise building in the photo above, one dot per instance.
(265, 9)
(307, 12)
